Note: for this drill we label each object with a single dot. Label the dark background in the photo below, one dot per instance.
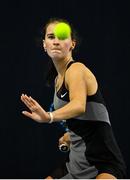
(29, 149)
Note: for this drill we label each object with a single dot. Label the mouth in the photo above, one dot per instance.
(55, 49)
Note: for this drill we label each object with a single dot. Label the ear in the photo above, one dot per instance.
(73, 44)
(44, 44)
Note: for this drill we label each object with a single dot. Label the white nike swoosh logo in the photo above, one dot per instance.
(62, 95)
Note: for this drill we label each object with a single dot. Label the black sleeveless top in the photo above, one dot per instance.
(93, 147)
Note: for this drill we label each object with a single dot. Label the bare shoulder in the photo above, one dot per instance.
(79, 73)
(78, 64)
(79, 67)
(75, 72)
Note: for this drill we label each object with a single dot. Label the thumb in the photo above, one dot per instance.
(27, 114)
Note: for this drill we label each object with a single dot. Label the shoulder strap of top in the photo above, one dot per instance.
(69, 64)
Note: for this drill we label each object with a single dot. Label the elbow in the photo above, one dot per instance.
(81, 109)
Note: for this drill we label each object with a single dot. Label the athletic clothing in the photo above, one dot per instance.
(93, 148)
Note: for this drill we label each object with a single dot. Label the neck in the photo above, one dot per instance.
(61, 65)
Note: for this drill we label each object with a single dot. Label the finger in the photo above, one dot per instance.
(25, 99)
(61, 140)
(36, 105)
(28, 99)
(30, 102)
(66, 137)
(62, 143)
(26, 102)
(34, 102)
(27, 114)
(32, 108)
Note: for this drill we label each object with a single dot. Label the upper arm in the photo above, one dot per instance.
(76, 82)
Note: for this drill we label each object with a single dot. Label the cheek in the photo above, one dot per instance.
(67, 46)
(47, 44)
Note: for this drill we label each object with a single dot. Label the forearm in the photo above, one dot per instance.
(72, 109)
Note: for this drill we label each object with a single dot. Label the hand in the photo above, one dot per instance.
(37, 112)
(65, 139)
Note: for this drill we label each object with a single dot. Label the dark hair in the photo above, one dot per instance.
(52, 73)
(58, 20)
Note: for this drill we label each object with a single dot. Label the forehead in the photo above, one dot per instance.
(50, 28)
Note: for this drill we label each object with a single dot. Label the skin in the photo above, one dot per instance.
(60, 51)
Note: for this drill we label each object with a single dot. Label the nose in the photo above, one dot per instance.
(56, 41)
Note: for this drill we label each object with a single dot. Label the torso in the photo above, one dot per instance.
(90, 133)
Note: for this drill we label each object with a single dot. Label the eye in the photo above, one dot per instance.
(51, 36)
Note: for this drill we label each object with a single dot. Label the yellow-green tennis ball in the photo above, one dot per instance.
(62, 31)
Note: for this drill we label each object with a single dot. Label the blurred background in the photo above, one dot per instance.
(29, 149)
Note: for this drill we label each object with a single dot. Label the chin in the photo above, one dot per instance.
(56, 56)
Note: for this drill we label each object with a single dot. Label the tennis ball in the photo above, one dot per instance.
(62, 31)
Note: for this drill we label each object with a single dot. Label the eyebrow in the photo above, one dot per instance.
(50, 34)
